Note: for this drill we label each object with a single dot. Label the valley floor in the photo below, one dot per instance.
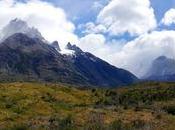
(39, 106)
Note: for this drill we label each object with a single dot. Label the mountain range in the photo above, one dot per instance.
(161, 69)
(26, 56)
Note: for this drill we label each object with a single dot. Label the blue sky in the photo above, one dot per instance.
(81, 11)
(161, 6)
(82, 8)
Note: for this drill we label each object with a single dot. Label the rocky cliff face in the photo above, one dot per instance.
(99, 72)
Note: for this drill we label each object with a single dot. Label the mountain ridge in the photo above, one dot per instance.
(162, 69)
(25, 58)
(19, 26)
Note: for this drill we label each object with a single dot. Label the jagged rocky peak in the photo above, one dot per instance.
(162, 68)
(19, 26)
(69, 46)
(163, 61)
(55, 44)
(23, 42)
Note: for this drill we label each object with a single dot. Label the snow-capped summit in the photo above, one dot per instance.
(20, 26)
(73, 48)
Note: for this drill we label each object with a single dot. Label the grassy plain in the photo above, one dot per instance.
(43, 106)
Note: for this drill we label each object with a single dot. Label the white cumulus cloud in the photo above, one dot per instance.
(90, 28)
(132, 16)
(138, 54)
(51, 21)
(169, 17)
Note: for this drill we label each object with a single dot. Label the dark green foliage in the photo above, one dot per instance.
(147, 96)
(67, 123)
(19, 127)
(170, 109)
(116, 125)
(137, 96)
(48, 98)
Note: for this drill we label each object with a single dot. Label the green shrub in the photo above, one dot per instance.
(116, 125)
(19, 127)
(170, 109)
(67, 123)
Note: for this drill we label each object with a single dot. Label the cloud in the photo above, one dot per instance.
(92, 42)
(80, 10)
(138, 54)
(133, 16)
(98, 45)
(169, 17)
(135, 56)
(97, 5)
(51, 21)
(90, 28)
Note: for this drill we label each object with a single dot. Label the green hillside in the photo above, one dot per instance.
(39, 106)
